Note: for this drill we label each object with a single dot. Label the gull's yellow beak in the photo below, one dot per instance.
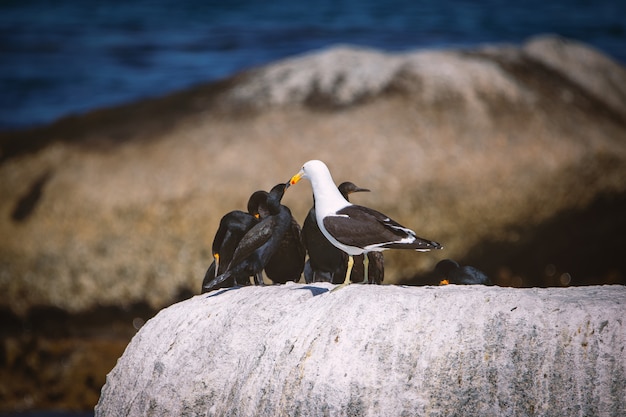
(444, 282)
(296, 177)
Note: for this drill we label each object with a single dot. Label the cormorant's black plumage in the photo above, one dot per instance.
(233, 226)
(287, 262)
(260, 243)
(449, 272)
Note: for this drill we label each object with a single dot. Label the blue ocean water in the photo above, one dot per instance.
(65, 57)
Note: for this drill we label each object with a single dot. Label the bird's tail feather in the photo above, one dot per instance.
(418, 244)
(218, 280)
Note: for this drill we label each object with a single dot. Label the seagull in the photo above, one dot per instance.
(260, 243)
(452, 273)
(327, 262)
(354, 229)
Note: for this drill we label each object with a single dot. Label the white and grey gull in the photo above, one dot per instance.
(353, 228)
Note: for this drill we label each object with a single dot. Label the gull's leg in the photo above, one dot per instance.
(349, 270)
(348, 273)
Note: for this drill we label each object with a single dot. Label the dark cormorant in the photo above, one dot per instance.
(233, 226)
(451, 273)
(287, 263)
(260, 243)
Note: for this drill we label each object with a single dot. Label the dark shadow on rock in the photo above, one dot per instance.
(140, 120)
(548, 85)
(27, 203)
(576, 247)
(315, 291)
(221, 291)
(53, 322)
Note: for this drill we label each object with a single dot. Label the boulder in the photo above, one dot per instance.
(365, 350)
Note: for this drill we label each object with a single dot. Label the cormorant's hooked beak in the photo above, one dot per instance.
(296, 178)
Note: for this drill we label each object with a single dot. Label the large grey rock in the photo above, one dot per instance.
(298, 350)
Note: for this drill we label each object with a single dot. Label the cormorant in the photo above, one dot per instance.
(450, 272)
(233, 226)
(260, 243)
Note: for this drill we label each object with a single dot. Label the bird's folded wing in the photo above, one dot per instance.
(364, 227)
(254, 239)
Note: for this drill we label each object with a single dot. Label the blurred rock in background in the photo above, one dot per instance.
(514, 158)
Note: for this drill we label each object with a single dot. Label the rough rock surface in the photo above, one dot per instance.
(464, 146)
(298, 350)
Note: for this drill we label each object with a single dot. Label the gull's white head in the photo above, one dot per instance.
(311, 170)
(327, 196)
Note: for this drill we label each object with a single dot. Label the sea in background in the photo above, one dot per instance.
(65, 57)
